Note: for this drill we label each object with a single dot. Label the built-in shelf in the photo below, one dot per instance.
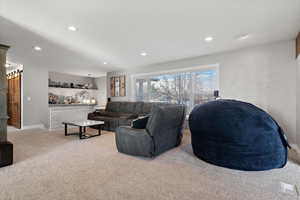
(70, 105)
(73, 88)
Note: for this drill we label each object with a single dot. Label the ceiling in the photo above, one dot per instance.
(117, 31)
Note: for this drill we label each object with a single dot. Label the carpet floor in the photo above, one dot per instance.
(50, 166)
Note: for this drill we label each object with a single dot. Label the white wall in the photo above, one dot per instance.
(35, 87)
(263, 75)
(35, 99)
(101, 92)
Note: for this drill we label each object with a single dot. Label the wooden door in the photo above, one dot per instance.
(14, 100)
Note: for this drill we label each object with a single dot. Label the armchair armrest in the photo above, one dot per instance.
(134, 141)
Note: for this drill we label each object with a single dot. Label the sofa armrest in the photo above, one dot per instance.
(100, 109)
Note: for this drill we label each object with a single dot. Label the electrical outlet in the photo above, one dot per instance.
(288, 188)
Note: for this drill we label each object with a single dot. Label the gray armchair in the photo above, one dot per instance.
(162, 132)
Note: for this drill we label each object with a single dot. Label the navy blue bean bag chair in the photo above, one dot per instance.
(237, 135)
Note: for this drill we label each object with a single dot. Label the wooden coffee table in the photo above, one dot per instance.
(82, 128)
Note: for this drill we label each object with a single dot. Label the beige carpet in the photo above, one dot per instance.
(50, 166)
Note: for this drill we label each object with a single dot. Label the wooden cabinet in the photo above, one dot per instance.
(64, 113)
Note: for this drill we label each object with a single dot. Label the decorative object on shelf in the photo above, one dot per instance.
(70, 85)
(118, 86)
(93, 101)
(71, 97)
(53, 99)
(65, 85)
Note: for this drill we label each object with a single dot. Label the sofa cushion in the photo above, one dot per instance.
(138, 107)
(116, 114)
(147, 107)
(127, 107)
(113, 107)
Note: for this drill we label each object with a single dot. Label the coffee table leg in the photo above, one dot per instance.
(99, 130)
(84, 129)
(66, 129)
(80, 132)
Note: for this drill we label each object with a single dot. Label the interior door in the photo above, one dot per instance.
(14, 100)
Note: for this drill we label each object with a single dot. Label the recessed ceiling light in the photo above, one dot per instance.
(37, 48)
(7, 65)
(104, 63)
(143, 54)
(72, 28)
(243, 37)
(209, 39)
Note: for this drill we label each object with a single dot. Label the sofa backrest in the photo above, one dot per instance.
(140, 108)
(165, 125)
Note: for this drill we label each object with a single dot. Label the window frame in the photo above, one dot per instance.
(150, 75)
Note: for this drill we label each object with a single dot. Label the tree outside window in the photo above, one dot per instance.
(188, 88)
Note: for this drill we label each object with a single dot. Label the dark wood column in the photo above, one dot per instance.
(3, 93)
(6, 148)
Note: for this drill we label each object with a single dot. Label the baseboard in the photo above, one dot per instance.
(296, 148)
(294, 153)
(35, 126)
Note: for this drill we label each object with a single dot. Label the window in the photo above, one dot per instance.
(189, 88)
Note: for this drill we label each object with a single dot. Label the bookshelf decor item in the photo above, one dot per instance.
(118, 86)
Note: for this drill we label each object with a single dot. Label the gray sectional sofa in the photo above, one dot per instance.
(121, 113)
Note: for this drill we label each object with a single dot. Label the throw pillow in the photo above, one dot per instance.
(140, 123)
